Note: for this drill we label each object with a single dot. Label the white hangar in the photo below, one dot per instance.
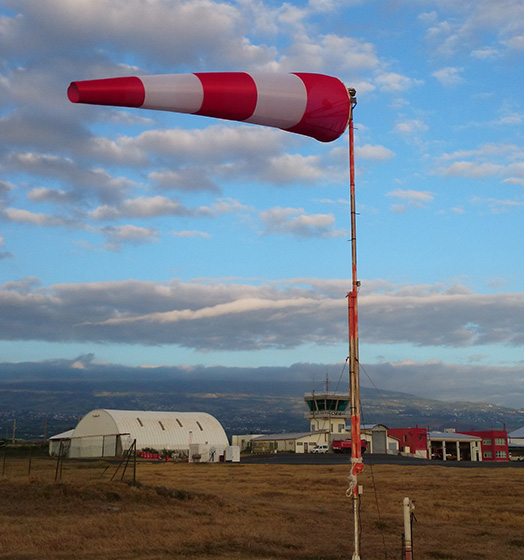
(108, 433)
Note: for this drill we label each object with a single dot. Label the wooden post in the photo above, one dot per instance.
(407, 547)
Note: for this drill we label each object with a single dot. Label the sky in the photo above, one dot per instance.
(146, 238)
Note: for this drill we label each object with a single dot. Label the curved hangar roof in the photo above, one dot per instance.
(160, 430)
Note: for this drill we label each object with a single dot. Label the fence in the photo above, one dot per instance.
(22, 461)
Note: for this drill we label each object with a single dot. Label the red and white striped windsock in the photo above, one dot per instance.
(310, 104)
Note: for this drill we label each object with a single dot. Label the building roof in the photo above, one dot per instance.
(280, 437)
(517, 433)
(452, 436)
(158, 430)
(62, 436)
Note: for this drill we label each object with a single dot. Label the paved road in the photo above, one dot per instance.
(375, 459)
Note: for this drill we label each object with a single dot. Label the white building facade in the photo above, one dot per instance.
(109, 433)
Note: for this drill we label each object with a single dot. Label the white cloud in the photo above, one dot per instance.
(468, 24)
(393, 82)
(497, 206)
(141, 207)
(116, 235)
(449, 76)
(412, 195)
(294, 221)
(485, 53)
(472, 169)
(410, 127)
(514, 181)
(239, 316)
(191, 233)
(35, 218)
(377, 152)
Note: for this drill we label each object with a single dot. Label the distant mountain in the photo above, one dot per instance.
(258, 404)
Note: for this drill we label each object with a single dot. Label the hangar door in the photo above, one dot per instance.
(378, 439)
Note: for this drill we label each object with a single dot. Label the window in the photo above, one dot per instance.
(486, 441)
(500, 441)
(342, 405)
(488, 455)
(500, 454)
(340, 428)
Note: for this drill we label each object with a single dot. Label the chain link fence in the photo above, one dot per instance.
(54, 462)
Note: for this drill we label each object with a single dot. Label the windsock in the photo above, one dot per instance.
(314, 105)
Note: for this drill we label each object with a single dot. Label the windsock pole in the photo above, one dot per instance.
(354, 374)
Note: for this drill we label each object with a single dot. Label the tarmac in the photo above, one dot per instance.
(373, 459)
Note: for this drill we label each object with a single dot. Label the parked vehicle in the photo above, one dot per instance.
(320, 449)
(344, 446)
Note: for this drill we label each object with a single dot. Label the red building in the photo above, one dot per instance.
(494, 444)
(411, 440)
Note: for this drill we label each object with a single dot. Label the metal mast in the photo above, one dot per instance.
(354, 374)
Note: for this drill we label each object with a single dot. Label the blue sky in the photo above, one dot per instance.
(146, 238)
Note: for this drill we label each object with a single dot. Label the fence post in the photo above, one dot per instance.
(59, 462)
(134, 463)
(407, 538)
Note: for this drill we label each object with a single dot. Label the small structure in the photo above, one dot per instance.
(412, 441)
(327, 411)
(452, 446)
(516, 445)
(379, 440)
(494, 444)
(516, 437)
(244, 441)
(109, 433)
(302, 442)
(58, 442)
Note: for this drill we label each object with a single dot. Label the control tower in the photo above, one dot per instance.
(327, 412)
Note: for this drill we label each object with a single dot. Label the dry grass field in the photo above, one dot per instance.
(241, 511)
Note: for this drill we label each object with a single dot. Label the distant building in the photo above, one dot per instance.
(59, 441)
(379, 440)
(453, 446)
(412, 441)
(327, 415)
(517, 436)
(327, 412)
(244, 442)
(516, 445)
(303, 442)
(494, 444)
(109, 433)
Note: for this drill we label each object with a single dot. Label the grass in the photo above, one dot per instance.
(241, 511)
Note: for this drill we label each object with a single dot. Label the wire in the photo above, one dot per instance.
(341, 374)
(374, 484)
(362, 368)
